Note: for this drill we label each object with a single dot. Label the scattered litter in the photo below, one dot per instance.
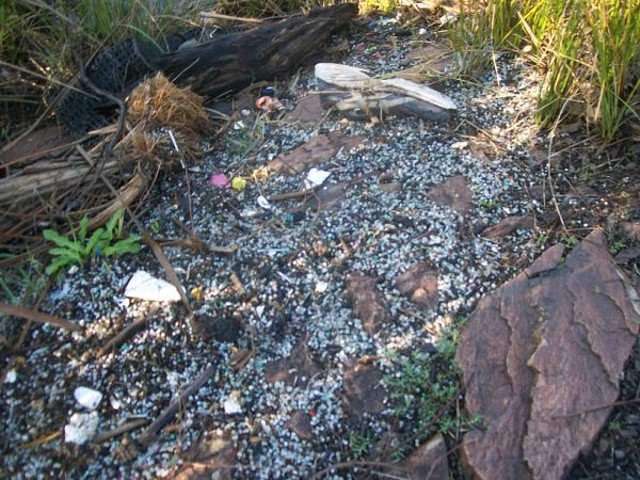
(11, 377)
(366, 96)
(459, 145)
(219, 180)
(321, 287)
(87, 397)
(269, 104)
(81, 428)
(232, 403)
(264, 203)
(144, 286)
(315, 178)
(238, 183)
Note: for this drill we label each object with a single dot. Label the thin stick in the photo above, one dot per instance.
(127, 333)
(37, 316)
(127, 427)
(148, 436)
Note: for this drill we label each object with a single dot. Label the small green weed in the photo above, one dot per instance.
(23, 284)
(360, 444)
(569, 240)
(105, 241)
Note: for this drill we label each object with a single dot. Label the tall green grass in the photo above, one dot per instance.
(587, 50)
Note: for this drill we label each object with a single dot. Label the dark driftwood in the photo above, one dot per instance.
(233, 61)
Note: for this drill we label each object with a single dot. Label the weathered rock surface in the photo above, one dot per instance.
(420, 284)
(317, 150)
(296, 369)
(454, 193)
(366, 300)
(541, 359)
(363, 392)
(428, 461)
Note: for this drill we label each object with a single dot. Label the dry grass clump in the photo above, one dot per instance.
(167, 123)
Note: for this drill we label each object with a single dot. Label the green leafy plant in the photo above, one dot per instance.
(104, 241)
(360, 444)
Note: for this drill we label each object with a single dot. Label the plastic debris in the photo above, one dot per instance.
(11, 377)
(81, 428)
(269, 104)
(219, 180)
(321, 287)
(267, 92)
(144, 286)
(231, 404)
(87, 397)
(315, 178)
(238, 183)
(264, 203)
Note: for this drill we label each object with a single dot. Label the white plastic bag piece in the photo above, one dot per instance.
(146, 287)
(315, 177)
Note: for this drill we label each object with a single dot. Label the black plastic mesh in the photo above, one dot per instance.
(116, 69)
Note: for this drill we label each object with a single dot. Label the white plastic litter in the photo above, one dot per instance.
(146, 287)
(87, 397)
(315, 177)
(11, 377)
(231, 404)
(264, 203)
(81, 428)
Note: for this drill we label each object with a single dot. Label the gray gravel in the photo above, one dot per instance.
(294, 291)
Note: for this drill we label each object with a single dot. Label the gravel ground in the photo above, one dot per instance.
(284, 283)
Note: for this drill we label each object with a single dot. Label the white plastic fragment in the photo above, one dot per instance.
(231, 404)
(459, 145)
(146, 287)
(87, 397)
(11, 377)
(264, 203)
(321, 287)
(81, 428)
(315, 177)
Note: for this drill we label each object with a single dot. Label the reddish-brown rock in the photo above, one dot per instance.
(363, 392)
(453, 193)
(366, 301)
(296, 369)
(317, 150)
(210, 458)
(540, 356)
(300, 424)
(428, 461)
(420, 284)
(308, 111)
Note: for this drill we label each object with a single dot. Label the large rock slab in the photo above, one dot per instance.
(541, 358)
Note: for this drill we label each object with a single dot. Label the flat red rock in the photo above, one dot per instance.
(541, 357)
